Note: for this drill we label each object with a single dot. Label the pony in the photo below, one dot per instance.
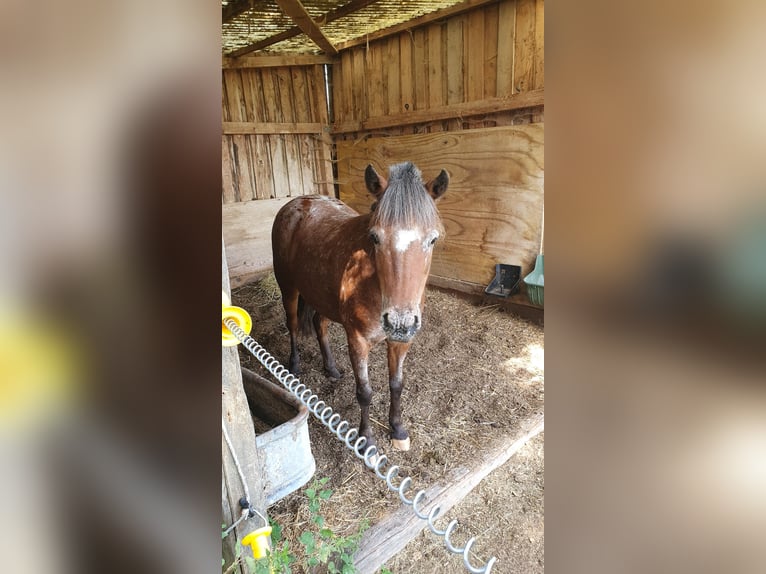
(367, 272)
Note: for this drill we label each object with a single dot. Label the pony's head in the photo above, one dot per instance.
(403, 230)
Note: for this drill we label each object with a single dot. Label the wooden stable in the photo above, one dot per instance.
(461, 89)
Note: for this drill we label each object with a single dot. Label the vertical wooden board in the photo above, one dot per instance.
(359, 111)
(420, 68)
(228, 192)
(435, 94)
(292, 150)
(345, 113)
(491, 17)
(302, 113)
(240, 145)
(405, 58)
(224, 98)
(475, 87)
(262, 160)
(505, 41)
(321, 143)
(394, 77)
(492, 209)
(249, 89)
(279, 168)
(524, 47)
(374, 64)
(539, 44)
(455, 60)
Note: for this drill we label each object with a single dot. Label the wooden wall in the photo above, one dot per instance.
(493, 206)
(488, 60)
(276, 140)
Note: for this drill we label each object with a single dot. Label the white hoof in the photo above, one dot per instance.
(401, 444)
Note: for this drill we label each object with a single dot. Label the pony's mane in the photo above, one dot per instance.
(406, 201)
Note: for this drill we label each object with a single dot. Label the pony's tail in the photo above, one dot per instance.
(305, 317)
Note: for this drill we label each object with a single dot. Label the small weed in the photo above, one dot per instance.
(320, 544)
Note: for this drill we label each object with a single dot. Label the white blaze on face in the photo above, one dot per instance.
(404, 237)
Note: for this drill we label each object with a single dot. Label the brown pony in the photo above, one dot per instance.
(366, 272)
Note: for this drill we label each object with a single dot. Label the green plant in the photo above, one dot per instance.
(320, 544)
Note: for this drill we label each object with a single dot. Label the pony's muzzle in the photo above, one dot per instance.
(400, 325)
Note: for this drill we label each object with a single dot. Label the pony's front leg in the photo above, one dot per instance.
(400, 439)
(359, 350)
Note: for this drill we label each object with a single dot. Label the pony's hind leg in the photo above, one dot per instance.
(290, 303)
(400, 439)
(330, 368)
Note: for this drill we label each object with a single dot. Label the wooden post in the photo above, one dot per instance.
(239, 423)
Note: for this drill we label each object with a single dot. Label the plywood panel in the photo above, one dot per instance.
(247, 233)
(492, 211)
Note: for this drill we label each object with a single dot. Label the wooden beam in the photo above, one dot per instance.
(516, 101)
(391, 535)
(414, 23)
(230, 63)
(274, 128)
(295, 10)
(344, 10)
(235, 8)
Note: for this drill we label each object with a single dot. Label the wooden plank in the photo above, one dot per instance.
(375, 87)
(345, 106)
(389, 536)
(539, 44)
(455, 94)
(505, 42)
(273, 113)
(247, 232)
(491, 18)
(475, 87)
(420, 69)
(358, 86)
(238, 421)
(302, 112)
(524, 47)
(344, 10)
(466, 109)
(237, 7)
(228, 191)
(435, 94)
(295, 10)
(393, 77)
(232, 128)
(492, 210)
(292, 150)
(323, 145)
(405, 57)
(230, 63)
(262, 160)
(414, 23)
(240, 146)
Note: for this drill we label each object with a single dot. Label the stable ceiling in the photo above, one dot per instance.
(312, 26)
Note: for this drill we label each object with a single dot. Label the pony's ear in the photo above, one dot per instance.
(376, 184)
(437, 186)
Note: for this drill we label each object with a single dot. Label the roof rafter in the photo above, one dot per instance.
(336, 14)
(295, 10)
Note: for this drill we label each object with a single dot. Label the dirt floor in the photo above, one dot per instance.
(472, 375)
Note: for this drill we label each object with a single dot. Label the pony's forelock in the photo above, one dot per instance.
(406, 201)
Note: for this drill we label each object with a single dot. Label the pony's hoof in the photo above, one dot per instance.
(333, 374)
(401, 444)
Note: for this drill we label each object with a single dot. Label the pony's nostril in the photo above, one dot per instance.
(386, 320)
(417, 321)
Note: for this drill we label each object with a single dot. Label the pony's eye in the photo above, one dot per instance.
(433, 240)
(374, 238)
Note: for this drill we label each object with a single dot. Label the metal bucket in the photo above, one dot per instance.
(285, 449)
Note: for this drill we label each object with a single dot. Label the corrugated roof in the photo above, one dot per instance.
(264, 19)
